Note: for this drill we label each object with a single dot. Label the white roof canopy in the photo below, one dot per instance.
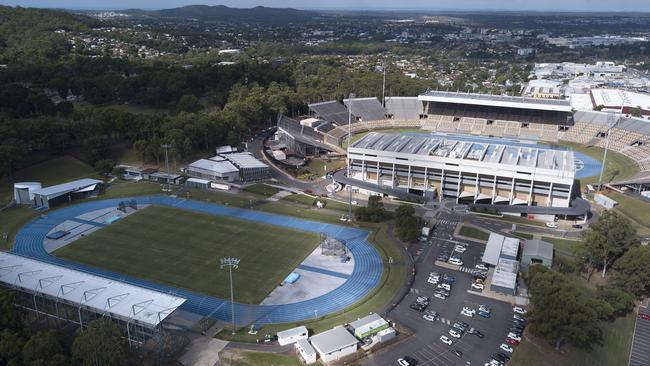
(114, 298)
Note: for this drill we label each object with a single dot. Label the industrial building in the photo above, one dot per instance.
(502, 252)
(229, 166)
(78, 297)
(220, 170)
(334, 344)
(469, 171)
(250, 168)
(536, 251)
(49, 196)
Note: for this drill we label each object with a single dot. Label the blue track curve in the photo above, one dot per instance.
(366, 274)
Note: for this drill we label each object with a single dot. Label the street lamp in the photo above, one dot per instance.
(231, 263)
(349, 161)
(167, 147)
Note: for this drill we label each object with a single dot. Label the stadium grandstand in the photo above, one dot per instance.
(366, 109)
(78, 297)
(404, 108)
(302, 139)
(331, 111)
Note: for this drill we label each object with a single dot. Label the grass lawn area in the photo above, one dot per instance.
(617, 167)
(522, 235)
(242, 199)
(472, 232)
(635, 209)
(309, 200)
(251, 358)
(182, 249)
(11, 220)
(565, 246)
(262, 189)
(617, 338)
(322, 166)
(300, 210)
(54, 171)
(392, 279)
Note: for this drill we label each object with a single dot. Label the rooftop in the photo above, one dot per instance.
(333, 340)
(538, 248)
(119, 299)
(67, 187)
(244, 160)
(497, 101)
(221, 167)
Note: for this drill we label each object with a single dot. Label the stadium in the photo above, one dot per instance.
(539, 173)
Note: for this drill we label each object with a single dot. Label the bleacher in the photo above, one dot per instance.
(366, 109)
(404, 108)
(331, 111)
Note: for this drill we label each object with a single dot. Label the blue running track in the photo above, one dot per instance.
(365, 276)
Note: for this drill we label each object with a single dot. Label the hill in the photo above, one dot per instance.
(218, 13)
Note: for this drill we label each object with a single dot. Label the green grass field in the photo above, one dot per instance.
(11, 220)
(635, 209)
(251, 358)
(472, 232)
(617, 167)
(563, 246)
(54, 171)
(321, 166)
(614, 351)
(182, 249)
(261, 189)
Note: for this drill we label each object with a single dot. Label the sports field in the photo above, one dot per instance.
(183, 248)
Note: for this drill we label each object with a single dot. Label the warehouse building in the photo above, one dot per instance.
(468, 170)
(334, 344)
(536, 251)
(217, 169)
(60, 193)
(250, 169)
(502, 252)
(306, 351)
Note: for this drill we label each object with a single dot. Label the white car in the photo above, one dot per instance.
(468, 309)
(440, 296)
(481, 266)
(460, 249)
(514, 336)
(506, 348)
(551, 224)
(455, 261)
(444, 286)
(478, 286)
(467, 313)
(454, 333)
(432, 281)
(430, 318)
(446, 340)
(519, 310)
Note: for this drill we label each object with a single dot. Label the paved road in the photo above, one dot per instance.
(425, 345)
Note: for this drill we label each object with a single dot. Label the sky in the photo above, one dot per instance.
(514, 5)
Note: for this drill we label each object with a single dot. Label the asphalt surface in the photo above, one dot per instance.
(640, 353)
(425, 345)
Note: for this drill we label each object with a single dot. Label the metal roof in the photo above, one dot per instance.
(368, 109)
(331, 111)
(104, 296)
(368, 319)
(244, 160)
(493, 249)
(220, 167)
(333, 340)
(505, 274)
(404, 108)
(64, 188)
(538, 248)
(293, 332)
(504, 101)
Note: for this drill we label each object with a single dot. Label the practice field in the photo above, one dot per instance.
(182, 248)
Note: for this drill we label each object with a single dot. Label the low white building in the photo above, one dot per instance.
(306, 351)
(292, 335)
(334, 344)
(605, 201)
(213, 170)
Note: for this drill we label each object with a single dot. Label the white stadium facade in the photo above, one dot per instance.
(524, 180)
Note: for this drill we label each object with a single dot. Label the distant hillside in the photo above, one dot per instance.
(259, 14)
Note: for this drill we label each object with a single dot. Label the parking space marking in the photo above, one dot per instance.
(640, 351)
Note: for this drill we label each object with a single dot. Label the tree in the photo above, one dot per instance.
(620, 301)
(188, 103)
(606, 240)
(633, 271)
(11, 317)
(373, 212)
(99, 345)
(564, 311)
(43, 348)
(104, 166)
(636, 112)
(407, 226)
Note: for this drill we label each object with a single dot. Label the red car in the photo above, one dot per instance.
(512, 342)
(644, 316)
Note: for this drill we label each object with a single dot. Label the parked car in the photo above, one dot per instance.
(644, 316)
(432, 281)
(478, 286)
(454, 333)
(468, 309)
(462, 326)
(551, 224)
(467, 313)
(407, 361)
(460, 249)
(440, 296)
(484, 314)
(457, 353)
(445, 286)
(446, 340)
(432, 313)
(514, 336)
(428, 317)
(481, 266)
(506, 348)
(576, 226)
(518, 317)
(519, 310)
(450, 278)
(455, 261)
(512, 342)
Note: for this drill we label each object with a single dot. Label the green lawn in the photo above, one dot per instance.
(564, 246)
(614, 351)
(54, 171)
(634, 208)
(182, 248)
(617, 167)
(308, 201)
(251, 358)
(242, 199)
(301, 210)
(262, 189)
(322, 166)
(472, 232)
(522, 235)
(11, 220)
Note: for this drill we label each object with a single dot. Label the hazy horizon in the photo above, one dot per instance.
(385, 5)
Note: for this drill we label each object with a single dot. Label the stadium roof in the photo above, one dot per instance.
(404, 108)
(301, 133)
(368, 109)
(220, 167)
(117, 299)
(331, 111)
(333, 340)
(443, 147)
(244, 160)
(60, 189)
(616, 98)
(497, 101)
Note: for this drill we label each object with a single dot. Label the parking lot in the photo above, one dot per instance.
(425, 346)
(640, 353)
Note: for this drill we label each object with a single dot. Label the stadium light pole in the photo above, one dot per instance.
(610, 123)
(349, 136)
(231, 263)
(167, 147)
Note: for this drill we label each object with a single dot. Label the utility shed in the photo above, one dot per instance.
(368, 325)
(292, 335)
(334, 344)
(306, 351)
(537, 251)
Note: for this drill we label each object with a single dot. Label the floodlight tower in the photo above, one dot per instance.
(610, 123)
(349, 136)
(167, 147)
(231, 263)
